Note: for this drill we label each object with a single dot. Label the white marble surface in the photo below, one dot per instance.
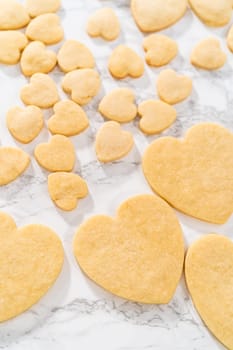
(77, 314)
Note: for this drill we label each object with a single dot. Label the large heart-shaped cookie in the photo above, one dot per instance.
(31, 259)
(209, 277)
(195, 174)
(12, 15)
(207, 54)
(138, 255)
(104, 23)
(12, 43)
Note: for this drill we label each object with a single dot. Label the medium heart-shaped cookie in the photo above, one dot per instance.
(104, 23)
(39, 7)
(209, 277)
(112, 143)
(195, 174)
(56, 155)
(12, 43)
(125, 62)
(138, 255)
(12, 15)
(66, 189)
(31, 258)
(207, 54)
(172, 87)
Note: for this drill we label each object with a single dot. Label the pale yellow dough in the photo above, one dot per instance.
(12, 15)
(37, 59)
(82, 84)
(112, 143)
(230, 39)
(160, 49)
(74, 55)
(172, 87)
(39, 7)
(66, 189)
(13, 162)
(156, 116)
(41, 91)
(208, 54)
(119, 105)
(46, 28)
(104, 23)
(209, 277)
(153, 15)
(56, 155)
(12, 43)
(69, 119)
(25, 124)
(194, 174)
(31, 259)
(125, 62)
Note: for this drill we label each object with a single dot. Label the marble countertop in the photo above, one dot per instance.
(76, 313)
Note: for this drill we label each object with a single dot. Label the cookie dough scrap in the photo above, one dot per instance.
(37, 59)
(13, 15)
(12, 43)
(209, 277)
(39, 7)
(194, 174)
(65, 189)
(74, 55)
(69, 119)
(119, 105)
(156, 116)
(172, 87)
(104, 23)
(154, 15)
(160, 49)
(35, 256)
(25, 124)
(208, 54)
(13, 162)
(56, 155)
(112, 143)
(125, 62)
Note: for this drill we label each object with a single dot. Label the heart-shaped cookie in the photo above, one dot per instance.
(104, 23)
(12, 15)
(138, 255)
(209, 277)
(156, 116)
(37, 59)
(41, 92)
(172, 87)
(125, 62)
(66, 189)
(56, 155)
(25, 124)
(39, 7)
(12, 43)
(195, 174)
(82, 84)
(207, 54)
(153, 15)
(69, 119)
(46, 28)
(31, 259)
(119, 105)
(74, 55)
(112, 143)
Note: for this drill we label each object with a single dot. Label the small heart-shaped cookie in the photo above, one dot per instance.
(138, 255)
(209, 277)
(39, 7)
(31, 259)
(13, 162)
(156, 116)
(112, 143)
(119, 105)
(45, 28)
(230, 39)
(125, 62)
(41, 92)
(36, 59)
(12, 15)
(104, 23)
(207, 54)
(172, 87)
(56, 155)
(66, 189)
(74, 55)
(82, 84)
(12, 44)
(160, 49)
(69, 119)
(25, 124)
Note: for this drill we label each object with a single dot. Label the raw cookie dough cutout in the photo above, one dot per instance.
(12, 43)
(208, 54)
(104, 23)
